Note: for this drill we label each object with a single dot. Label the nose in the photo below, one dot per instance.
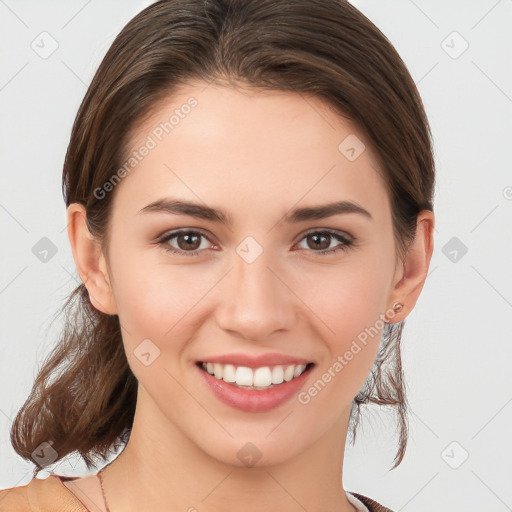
(256, 301)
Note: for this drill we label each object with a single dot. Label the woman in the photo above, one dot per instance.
(249, 198)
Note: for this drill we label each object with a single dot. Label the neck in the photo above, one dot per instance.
(160, 467)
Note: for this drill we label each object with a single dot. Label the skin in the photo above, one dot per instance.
(257, 155)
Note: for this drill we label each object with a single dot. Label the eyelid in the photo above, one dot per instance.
(173, 232)
(336, 232)
(168, 235)
(346, 240)
(209, 236)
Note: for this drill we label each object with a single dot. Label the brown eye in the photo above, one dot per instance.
(320, 241)
(187, 242)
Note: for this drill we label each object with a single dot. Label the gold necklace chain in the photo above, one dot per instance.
(102, 489)
(100, 477)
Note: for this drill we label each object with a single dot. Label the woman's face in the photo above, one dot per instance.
(251, 290)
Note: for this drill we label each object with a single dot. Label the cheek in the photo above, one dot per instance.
(347, 300)
(153, 304)
(140, 282)
(159, 301)
(149, 297)
(349, 304)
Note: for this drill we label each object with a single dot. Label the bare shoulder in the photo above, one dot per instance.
(83, 493)
(14, 498)
(87, 489)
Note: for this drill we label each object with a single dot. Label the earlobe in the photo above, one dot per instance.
(414, 272)
(90, 260)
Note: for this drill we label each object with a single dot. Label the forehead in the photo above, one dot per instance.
(250, 148)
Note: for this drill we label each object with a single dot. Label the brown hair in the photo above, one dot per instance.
(326, 48)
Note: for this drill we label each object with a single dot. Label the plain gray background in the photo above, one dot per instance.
(457, 349)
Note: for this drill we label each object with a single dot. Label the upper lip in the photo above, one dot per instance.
(248, 361)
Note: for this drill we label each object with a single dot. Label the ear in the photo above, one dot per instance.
(90, 260)
(410, 277)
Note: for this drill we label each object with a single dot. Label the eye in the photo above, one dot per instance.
(188, 241)
(322, 240)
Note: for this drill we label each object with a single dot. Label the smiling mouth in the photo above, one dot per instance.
(262, 378)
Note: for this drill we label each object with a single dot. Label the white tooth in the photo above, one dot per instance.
(299, 369)
(229, 373)
(217, 370)
(288, 373)
(244, 376)
(277, 375)
(262, 377)
(209, 368)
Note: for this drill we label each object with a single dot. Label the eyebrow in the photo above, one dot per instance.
(200, 211)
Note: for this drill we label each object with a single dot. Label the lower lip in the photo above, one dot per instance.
(253, 400)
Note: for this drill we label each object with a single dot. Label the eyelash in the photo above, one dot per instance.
(346, 242)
